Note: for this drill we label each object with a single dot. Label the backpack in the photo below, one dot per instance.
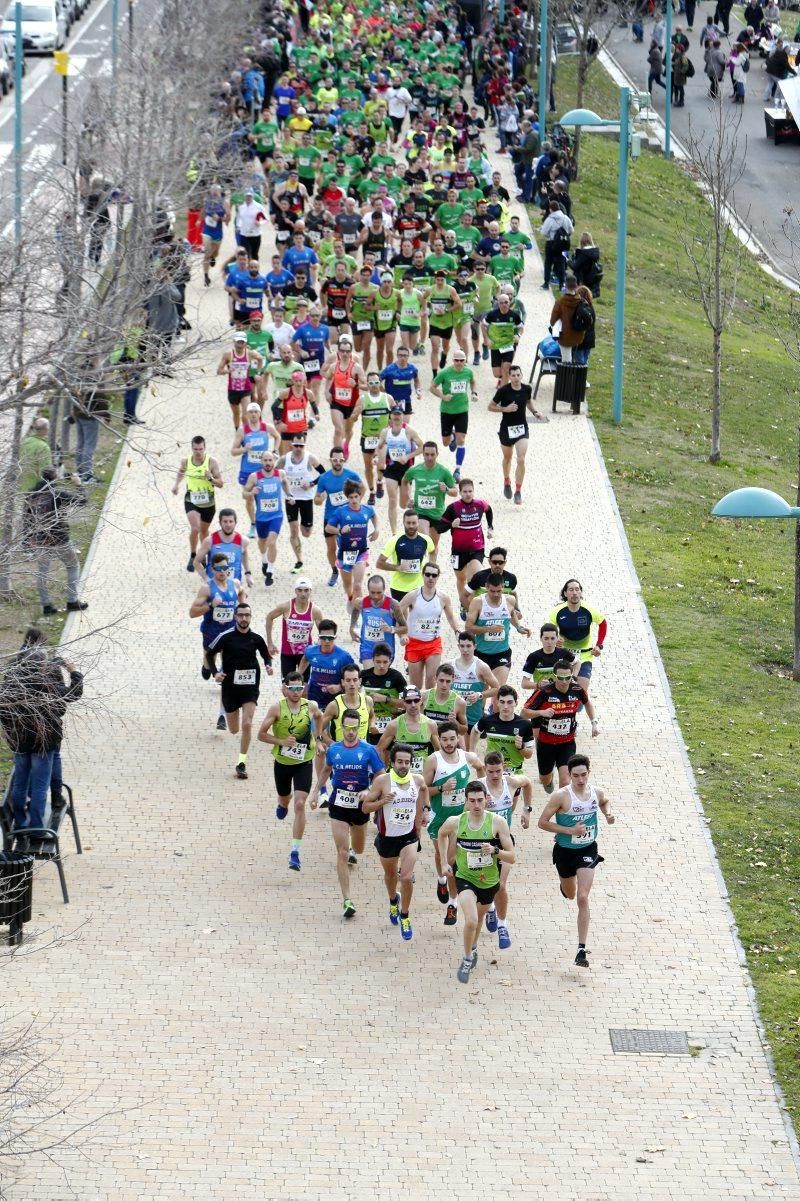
(746, 63)
(596, 271)
(583, 317)
(689, 68)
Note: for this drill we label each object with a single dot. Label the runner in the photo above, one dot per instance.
(384, 684)
(443, 703)
(443, 302)
(322, 664)
(352, 765)
(216, 215)
(540, 664)
(397, 446)
(555, 707)
(505, 731)
(398, 802)
(473, 680)
(464, 519)
(514, 401)
(298, 618)
(232, 544)
(404, 555)
(352, 697)
(237, 365)
(251, 439)
(489, 618)
(472, 847)
(423, 610)
(301, 471)
(345, 377)
(265, 489)
(502, 329)
(487, 288)
(261, 340)
(375, 408)
(289, 727)
(412, 302)
(330, 492)
(240, 675)
(350, 524)
(334, 293)
(359, 313)
(312, 340)
(575, 622)
(464, 318)
(400, 379)
(377, 619)
(498, 557)
(385, 306)
(571, 815)
(412, 728)
(216, 602)
(202, 476)
(446, 773)
(503, 790)
(291, 410)
(430, 483)
(454, 386)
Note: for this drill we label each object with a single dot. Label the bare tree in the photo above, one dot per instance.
(714, 251)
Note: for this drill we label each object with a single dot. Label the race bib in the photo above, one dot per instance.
(336, 498)
(454, 562)
(371, 442)
(426, 502)
(311, 365)
(417, 762)
(468, 308)
(382, 722)
(516, 431)
(345, 799)
(579, 840)
(268, 504)
(428, 625)
(476, 860)
(363, 326)
(212, 222)
(397, 452)
(386, 314)
(457, 387)
(342, 393)
(244, 675)
(404, 816)
(451, 800)
(252, 303)
(202, 499)
(222, 613)
(298, 751)
(505, 349)
(297, 632)
(559, 725)
(338, 314)
(410, 566)
(494, 636)
(372, 633)
(349, 557)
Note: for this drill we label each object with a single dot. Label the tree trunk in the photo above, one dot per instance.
(714, 457)
(9, 507)
(796, 659)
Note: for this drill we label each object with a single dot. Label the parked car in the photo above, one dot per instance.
(44, 28)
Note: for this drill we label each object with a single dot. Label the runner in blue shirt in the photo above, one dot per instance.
(330, 490)
(324, 661)
(249, 295)
(300, 255)
(278, 278)
(400, 379)
(351, 525)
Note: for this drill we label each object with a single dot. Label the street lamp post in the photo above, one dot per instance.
(668, 105)
(761, 504)
(585, 117)
(544, 41)
(114, 38)
(18, 122)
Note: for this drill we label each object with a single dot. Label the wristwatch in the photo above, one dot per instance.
(528, 808)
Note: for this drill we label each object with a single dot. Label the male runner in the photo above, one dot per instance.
(473, 679)
(398, 801)
(298, 618)
(514, 401)
(571, 814)
(240, 676)
(231, 543)
(410, 727)
(290, 726)
(490, 618)
(443, 703)
(350, 524)
(503, 790)
(423, 610)
(555, 706)
(215, 603)
(446, 773)
(505, 731)
(202, 476)
(376, 619)
(430, 483)
(330, 492)
(541, 663)
(301, 472)
(267, 487)
(404, 556)
(384, 684)
(454, 386)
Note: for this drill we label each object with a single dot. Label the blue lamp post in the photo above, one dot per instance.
(585, 117)
(760, 504)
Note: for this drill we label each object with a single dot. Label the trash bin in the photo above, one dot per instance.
(16, 893)
(570, 385)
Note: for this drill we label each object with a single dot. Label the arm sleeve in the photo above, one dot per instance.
(602, 630)
(490, 516)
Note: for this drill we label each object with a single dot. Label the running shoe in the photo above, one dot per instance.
(451, 917)
(457, 474)
(405, 928)
(221, 723)
(280, 812)
(441, 892)
(333, 577)
(394, 910)
(269, 579)
(205, 673)
(241, 771)
(190, 564)
(348, 909)
(371, 498)
(351, 857)
(485, 353)
(517, 497)
(379, 490)
(476, 359)
(294, 859)
(507, 493)
(503, 937)
(491, 920)
(464, 969)
(442, 360)
(206, 279)
(297, 567)
(581, 959)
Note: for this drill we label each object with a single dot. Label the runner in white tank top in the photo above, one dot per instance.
(423, 610)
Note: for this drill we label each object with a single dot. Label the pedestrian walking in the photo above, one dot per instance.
(655, 62)
(46, 535)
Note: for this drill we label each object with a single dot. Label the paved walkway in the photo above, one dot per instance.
(237, 1041)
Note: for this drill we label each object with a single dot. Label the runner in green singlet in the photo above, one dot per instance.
(442, 703)
(502, 793)
(385, 305)
(412, 300)
(375, 408)
(290, 726)
(443, 302)
(487, 287)
(464, 319)
(447, 773)
(410, 727)
(202, 475)
(473, 845)
(359, 313)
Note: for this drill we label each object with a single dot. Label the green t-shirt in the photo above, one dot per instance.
(405, 581)
(307, 158)
(487, 287)
(262, 341)
(467, 237)
(281, 374)
(410, 308)
(441, 262)
(505, 270)
(34, 456)
(447, 216)
(265, 133)
(430, 499)
(456, 383)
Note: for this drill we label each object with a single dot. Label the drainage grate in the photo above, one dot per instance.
(649, 1042)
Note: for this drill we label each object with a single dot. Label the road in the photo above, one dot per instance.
(769, 183)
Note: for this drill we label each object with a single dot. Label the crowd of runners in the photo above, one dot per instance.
(387, 313)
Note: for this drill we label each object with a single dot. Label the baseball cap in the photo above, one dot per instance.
(253, 406)
(410, 694)
(303, 582)
(256, 315)
(240, 337)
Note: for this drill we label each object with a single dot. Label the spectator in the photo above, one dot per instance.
(754, 14)
(556, 231)
(250, 217)
(98, 218)
(716, 61)
(34, 454)
(585, 263)
(739, 57)
(722, 16)
(709, 33)
(580, 355)
(777, 68)
(655, 60)
(681, 70)
(33, 700)
(89, 408)
(563, 310)
(528, 151)
(46, 534)
(163, 317)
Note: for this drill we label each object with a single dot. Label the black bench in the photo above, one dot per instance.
(49, 848)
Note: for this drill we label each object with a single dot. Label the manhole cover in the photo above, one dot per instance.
(649, 1042)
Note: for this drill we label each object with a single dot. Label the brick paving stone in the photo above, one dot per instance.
(233, 1039)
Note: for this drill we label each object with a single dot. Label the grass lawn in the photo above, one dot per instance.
(719, 593)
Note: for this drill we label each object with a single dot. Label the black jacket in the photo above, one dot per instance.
(583, 263)
(33, 700)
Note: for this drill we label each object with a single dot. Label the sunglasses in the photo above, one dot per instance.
(294, 687)
(431, 575)
(327, 637)
(563, 678)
